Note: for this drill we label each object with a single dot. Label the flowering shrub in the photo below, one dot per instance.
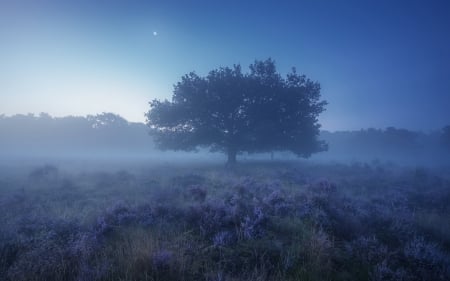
(44, 173)
(162, 259)
(426, 260)
(274, 223)
(195, 193)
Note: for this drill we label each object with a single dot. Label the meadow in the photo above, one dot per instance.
(256, 221)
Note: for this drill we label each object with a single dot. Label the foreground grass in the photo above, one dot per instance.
(285, 221)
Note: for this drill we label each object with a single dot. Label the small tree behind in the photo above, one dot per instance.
(236, 112)
(445, 137)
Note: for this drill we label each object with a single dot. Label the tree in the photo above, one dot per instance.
(445, 136)
(107, 120)
(234, 112)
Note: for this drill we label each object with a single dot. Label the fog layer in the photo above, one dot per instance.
(109, 138)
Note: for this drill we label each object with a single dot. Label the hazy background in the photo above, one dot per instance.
(380, 63)
(109, 139)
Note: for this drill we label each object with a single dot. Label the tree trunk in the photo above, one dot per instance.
(231, 157)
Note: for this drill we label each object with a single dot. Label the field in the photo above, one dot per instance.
(257, 221)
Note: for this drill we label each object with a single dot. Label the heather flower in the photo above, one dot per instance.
(253, 225)
(367, 250)
(427, 260)
(162, 259)
(44, 173)
(196, 193)
(223, 238)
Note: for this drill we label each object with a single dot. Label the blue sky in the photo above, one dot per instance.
(380, 63)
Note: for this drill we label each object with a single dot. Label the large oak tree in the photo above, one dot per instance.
(234, 112)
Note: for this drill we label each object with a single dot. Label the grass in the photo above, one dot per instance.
(259, 221)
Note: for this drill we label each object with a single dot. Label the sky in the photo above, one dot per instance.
(380, 63)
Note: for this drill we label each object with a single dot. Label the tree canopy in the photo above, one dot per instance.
(234, 112)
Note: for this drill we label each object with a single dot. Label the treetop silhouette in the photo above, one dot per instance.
(234, 112)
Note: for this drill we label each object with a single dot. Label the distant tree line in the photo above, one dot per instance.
(395, 144)
(445, 137)
(108, 133)
(72, 135)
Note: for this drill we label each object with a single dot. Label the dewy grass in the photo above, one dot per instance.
(288, 221)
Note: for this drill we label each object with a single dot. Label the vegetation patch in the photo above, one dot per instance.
(271, 222)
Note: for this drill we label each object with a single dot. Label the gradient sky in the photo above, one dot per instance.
(380, 63)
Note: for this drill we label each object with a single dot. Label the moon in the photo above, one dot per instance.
(155, 33)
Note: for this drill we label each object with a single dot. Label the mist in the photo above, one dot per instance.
(99, 197)
(110, 138)
(224, 141)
